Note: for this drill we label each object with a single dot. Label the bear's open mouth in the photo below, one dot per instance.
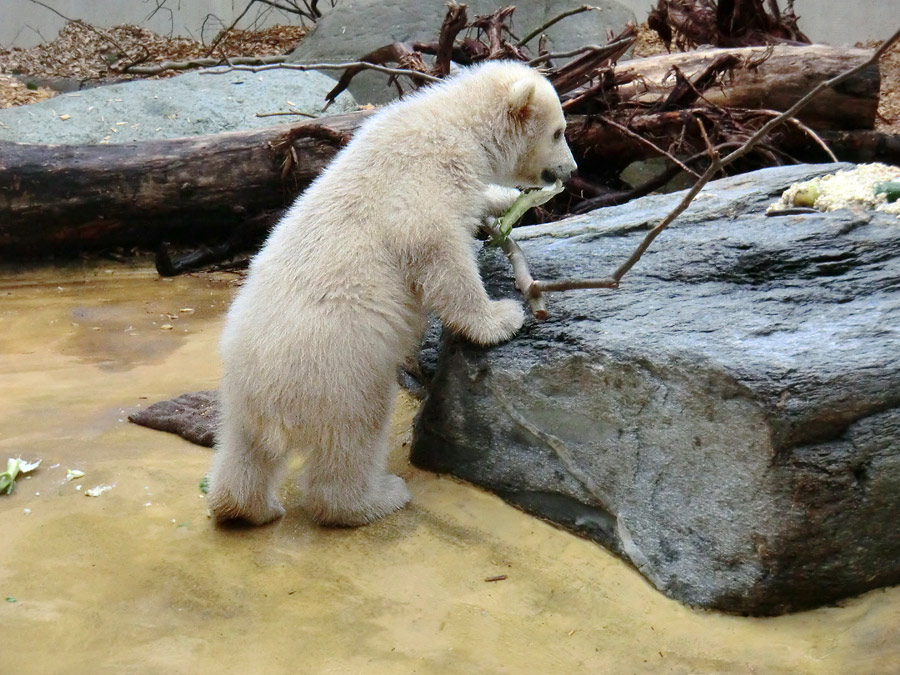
(548, 176)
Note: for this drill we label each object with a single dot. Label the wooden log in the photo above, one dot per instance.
(64, 199)
(773, 78)
(864, 146)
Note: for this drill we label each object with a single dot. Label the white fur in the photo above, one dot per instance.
(337, 298)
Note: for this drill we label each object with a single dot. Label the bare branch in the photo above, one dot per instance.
(611, 48)
(328, 66)
(454, 22)
(807, 130)
(203, 63)
(286, 112)
(640, 139)
(221, 36)
(540, 29)
(524, 281)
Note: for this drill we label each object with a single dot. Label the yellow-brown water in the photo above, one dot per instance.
(138, 580)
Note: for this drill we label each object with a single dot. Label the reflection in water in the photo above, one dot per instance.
(137, 580)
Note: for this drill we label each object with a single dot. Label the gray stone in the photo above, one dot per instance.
(355, 28)
(186, 105)
(728, 420)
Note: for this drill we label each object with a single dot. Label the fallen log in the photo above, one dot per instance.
(773, 78)
(63, 199)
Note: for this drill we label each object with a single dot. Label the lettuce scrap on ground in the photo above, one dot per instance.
(13, 468)
(97, 491)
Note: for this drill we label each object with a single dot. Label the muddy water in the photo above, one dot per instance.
(138, 581)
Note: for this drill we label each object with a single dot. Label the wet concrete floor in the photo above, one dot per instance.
(138, 580)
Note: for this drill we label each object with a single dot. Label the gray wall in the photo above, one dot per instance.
(834, 22)
(23, 23)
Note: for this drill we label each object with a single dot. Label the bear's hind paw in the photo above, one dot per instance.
(389, 494)
(260, 511)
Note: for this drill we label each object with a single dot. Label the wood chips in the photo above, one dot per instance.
(84, 53)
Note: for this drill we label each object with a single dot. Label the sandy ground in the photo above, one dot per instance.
(139, 581)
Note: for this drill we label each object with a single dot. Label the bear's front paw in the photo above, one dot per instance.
(505, 319)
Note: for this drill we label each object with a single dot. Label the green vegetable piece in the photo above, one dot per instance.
(13, 468)
(890, 188)
(10, 599)
(204, 484)
(806, 195)
(526, 200)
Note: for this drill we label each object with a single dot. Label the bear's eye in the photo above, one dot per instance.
(557, 134)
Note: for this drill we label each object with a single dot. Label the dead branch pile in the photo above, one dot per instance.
(662, 105)
(726, 23)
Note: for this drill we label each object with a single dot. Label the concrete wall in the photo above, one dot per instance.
(834, 22)
(24, 23)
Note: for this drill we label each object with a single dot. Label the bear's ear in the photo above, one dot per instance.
(520, 95)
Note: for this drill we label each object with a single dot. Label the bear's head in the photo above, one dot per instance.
(536, 126)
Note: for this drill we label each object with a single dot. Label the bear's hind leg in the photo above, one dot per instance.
(345, 480)
(245, 475)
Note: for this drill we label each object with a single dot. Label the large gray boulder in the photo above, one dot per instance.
(192, 104)
(356, 27)
(728, 420)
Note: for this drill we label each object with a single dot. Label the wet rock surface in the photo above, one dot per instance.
(192, 104)
(353, 29)
(727, 420)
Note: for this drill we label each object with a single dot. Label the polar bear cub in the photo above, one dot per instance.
(338, 296)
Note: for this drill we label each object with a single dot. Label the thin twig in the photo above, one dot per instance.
(640, 139)
(524, 281)
(223, 33)
(286, 112)
(327, 66)
(202, 63)
(805, 129)
(540, 29)
(612, 46)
